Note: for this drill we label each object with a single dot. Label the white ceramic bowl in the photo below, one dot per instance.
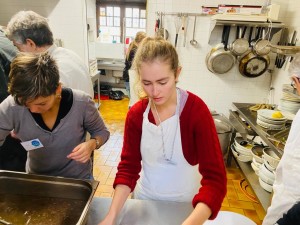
(269, 167)
(257, 152)
(265, 186)
(255, 168)
(266, 175)
(271, 157)
(239, 156)
(242, 146)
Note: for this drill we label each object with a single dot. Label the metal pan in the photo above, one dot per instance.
(252, 65)
(220, 60)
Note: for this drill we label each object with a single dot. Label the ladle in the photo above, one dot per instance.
(193, 41)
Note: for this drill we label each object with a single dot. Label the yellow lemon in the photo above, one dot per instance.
(277, 114)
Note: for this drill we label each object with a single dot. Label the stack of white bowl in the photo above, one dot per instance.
(267, 169)
(265, 120)
(257, 159)
(241, 149)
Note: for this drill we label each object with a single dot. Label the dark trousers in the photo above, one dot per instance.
(12, 155)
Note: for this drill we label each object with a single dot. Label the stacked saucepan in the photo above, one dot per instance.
(251, 55)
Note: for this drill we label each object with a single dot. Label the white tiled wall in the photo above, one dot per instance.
(218, 91)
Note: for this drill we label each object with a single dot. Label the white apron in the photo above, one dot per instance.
(174, 180)
(286, 185)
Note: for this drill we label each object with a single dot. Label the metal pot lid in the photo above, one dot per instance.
(221, 126)
(222, 63)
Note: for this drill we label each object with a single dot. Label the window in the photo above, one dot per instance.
(119, 22)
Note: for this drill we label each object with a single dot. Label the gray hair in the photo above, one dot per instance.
(29, 25)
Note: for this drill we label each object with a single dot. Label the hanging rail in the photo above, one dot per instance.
(180, 14)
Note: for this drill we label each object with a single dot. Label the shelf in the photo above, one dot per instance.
(217, 26)
(250, 117)
(262, 195)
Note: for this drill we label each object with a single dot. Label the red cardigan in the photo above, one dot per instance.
(200, 146)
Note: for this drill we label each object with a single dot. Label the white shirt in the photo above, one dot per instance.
(72, 71)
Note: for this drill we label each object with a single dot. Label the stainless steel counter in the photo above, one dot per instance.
(250, 117)
(110, 65)
(146, 212)
(138, 212)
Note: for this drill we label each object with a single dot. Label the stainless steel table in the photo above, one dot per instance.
(146, 212)
(96, 77)
(141, 212)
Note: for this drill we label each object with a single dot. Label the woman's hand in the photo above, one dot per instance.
(82, 152)
(107, 221)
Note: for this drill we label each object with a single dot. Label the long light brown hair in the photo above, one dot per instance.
(151, 49)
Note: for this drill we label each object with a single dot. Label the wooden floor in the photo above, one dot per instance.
(239, 198)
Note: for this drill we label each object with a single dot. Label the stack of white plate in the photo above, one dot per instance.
(241, 149)
(265, 120)
(289, 105)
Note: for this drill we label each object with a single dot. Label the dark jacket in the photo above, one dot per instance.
(128, 63)
(291, 217)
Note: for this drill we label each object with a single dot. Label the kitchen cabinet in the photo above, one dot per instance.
(243, 111)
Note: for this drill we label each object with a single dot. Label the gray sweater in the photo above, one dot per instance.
(52, 158)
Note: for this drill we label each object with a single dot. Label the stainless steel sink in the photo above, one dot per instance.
(110, 65)
(34, 199)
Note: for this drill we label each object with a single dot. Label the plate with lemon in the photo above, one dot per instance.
(271, 115)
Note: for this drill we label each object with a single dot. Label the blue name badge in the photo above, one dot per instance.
(32, 144)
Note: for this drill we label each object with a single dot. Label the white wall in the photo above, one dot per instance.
(218, 91)
(68, 22)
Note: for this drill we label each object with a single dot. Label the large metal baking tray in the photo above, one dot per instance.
(38, 200)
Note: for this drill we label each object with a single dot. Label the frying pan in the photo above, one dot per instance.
(251, 64)
(220, 60)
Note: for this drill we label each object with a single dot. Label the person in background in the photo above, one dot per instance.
(30, 32)
(7, 53)
(51, 121)
(12, 154)
(171, 150)
(129, 57)
(286, 192)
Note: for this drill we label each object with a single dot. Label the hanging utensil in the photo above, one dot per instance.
(162, 32)
(184, 28)
(240, 45)
(177, 28)
(193, 42)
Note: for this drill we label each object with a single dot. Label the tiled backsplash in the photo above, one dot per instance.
(218, 91)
